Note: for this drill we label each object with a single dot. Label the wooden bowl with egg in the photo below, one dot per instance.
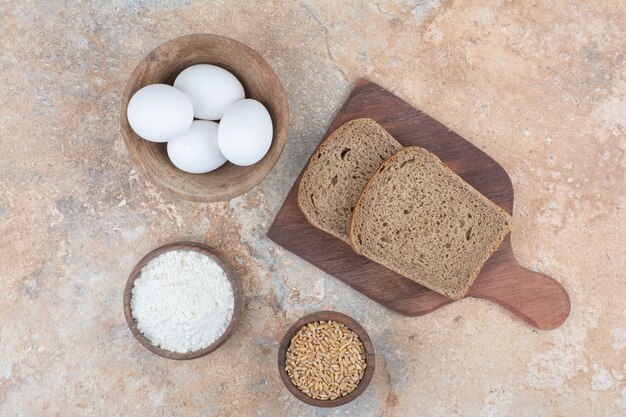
(352, 325)
(260, 82)
(231, 276)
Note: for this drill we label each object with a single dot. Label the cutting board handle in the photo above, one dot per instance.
(535, 297)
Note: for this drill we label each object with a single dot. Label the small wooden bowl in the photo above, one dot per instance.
(232, 277)
(352, 325)
(260, 82)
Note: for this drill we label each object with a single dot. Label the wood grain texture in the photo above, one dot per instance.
(232, 277)
(368, 347)
(535, 297)
(259, 81)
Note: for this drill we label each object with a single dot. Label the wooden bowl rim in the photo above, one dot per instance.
(234, 280)
(280, 135)
(353, 325)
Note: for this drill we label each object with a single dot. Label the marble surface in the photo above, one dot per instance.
(540, 86)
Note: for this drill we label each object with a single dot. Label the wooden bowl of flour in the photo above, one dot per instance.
(231, 276)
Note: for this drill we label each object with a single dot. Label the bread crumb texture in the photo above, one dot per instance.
(420, 219)
(338, 171)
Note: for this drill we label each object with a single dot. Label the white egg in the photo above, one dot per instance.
(159, 112)
(245, 132)
(196, 150)
(211, 90)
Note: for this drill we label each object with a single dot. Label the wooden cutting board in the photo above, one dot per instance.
(535, 297)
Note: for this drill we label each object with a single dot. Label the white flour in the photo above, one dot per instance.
(182, 301)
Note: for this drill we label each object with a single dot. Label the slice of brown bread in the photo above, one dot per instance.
(419, 219)
(338, 171)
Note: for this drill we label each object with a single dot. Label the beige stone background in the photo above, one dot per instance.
(539, 85)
